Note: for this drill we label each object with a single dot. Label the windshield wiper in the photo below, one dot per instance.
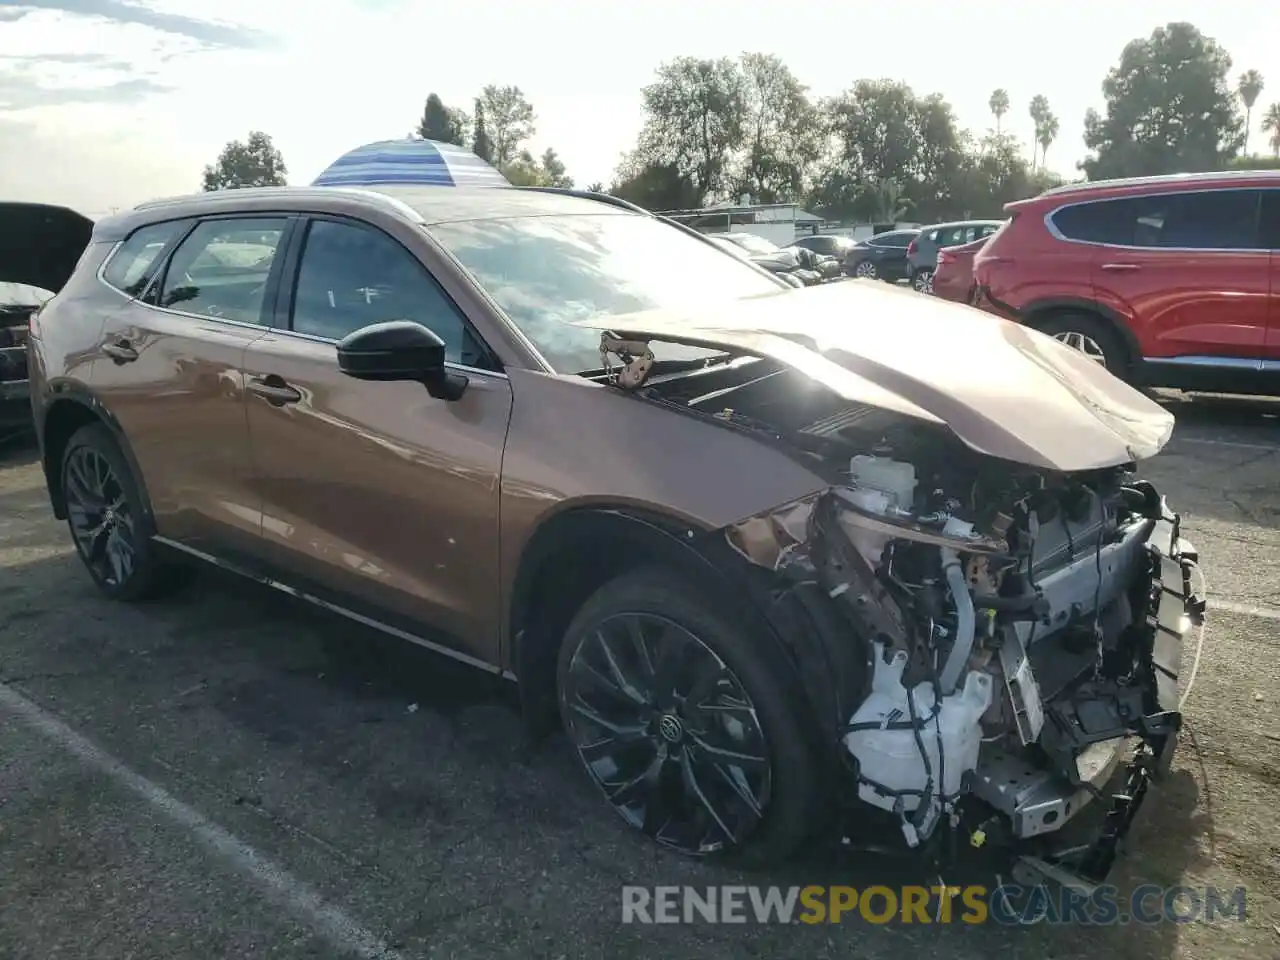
(669, 366)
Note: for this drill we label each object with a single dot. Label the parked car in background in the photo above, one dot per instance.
(1167, 281)
(797, 263)
(882, 257)
(39, 247)
(953, 276)
(696, 515)
(827, 244)
(922, 253)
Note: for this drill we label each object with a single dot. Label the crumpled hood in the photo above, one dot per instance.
(40, 244)
(1003, 389)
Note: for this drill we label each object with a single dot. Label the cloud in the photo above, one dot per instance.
(18, 93)
(208, 33)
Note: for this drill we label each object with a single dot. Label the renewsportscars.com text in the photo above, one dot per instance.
(1010, 904)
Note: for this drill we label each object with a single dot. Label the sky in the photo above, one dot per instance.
(106, 103)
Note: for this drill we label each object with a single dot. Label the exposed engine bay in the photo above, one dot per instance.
(987, 641)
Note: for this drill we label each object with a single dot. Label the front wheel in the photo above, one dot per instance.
(680, 719)
(866, 270)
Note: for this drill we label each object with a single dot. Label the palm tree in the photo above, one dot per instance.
(1039, 110)
(1271, 125)
(999, 104)
(1046, 133)
(1249, 87)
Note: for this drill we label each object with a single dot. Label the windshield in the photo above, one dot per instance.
(549, 272)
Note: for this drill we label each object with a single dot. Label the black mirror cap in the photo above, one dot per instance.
(393, 350)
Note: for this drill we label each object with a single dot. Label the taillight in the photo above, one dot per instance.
(944, 257)
(911, 248)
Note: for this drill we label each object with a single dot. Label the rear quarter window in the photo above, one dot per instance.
(134, 262)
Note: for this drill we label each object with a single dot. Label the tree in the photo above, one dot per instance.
(1039, 110)
(999, 105)
(694, 118)
(481, 145)
(656, 186)
(1169, 108)
(1046, 133)
(553, 167)
(782, 134)
(254, 162)
(881, 131)
(510, 121)
(1271, 125)
(1249, 86)
(442, 123)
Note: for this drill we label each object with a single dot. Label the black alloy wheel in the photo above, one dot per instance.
(101, 518)
(109, 524)
(667, 731)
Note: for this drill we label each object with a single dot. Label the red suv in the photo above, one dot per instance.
(1169, 281)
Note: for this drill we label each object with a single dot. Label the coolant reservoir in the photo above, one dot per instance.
(892, 477)
(892, 758)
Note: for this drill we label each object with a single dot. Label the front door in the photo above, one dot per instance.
(170, 369)
(377, 491)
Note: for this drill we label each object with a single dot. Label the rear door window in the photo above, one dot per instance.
(896, 240)
(1269, 220)
(1192, 220)
(221, 269)
(134, 263)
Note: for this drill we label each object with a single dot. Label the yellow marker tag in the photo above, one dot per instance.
(978, 837)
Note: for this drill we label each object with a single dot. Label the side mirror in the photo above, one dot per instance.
(400, 350)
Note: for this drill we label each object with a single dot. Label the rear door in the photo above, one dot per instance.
(1188, 269)
(170, 369)
(377, 492)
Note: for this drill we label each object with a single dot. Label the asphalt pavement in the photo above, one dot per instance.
(229, 773)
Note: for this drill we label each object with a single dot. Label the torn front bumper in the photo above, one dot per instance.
(1125, 736)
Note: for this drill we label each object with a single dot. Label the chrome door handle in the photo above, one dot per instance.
(274, 390)
(1121, 266)
(120, 350)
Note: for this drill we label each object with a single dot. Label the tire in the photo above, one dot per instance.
(922, 281)
(1077, 328)
(139, 571)
(785, 793)
(866, 270)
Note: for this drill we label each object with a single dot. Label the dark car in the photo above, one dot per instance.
(882, 257)
(698, 515)
(39, 247)
(827, 244)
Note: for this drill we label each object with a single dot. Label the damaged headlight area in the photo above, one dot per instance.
(992, 656)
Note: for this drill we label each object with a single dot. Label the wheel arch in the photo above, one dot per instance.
(68, 408)
(1038, 311)
(575, 552)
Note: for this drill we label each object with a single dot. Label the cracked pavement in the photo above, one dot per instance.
(257, 727)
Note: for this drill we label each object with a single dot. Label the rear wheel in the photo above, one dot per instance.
(1090, 335)
(922, 281)
(682, 722)
(108, 519)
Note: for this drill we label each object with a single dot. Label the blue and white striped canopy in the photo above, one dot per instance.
(408, 162)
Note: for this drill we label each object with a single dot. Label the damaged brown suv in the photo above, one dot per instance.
(772, 555)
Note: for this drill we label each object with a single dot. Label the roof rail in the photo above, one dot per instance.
(590, 195)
